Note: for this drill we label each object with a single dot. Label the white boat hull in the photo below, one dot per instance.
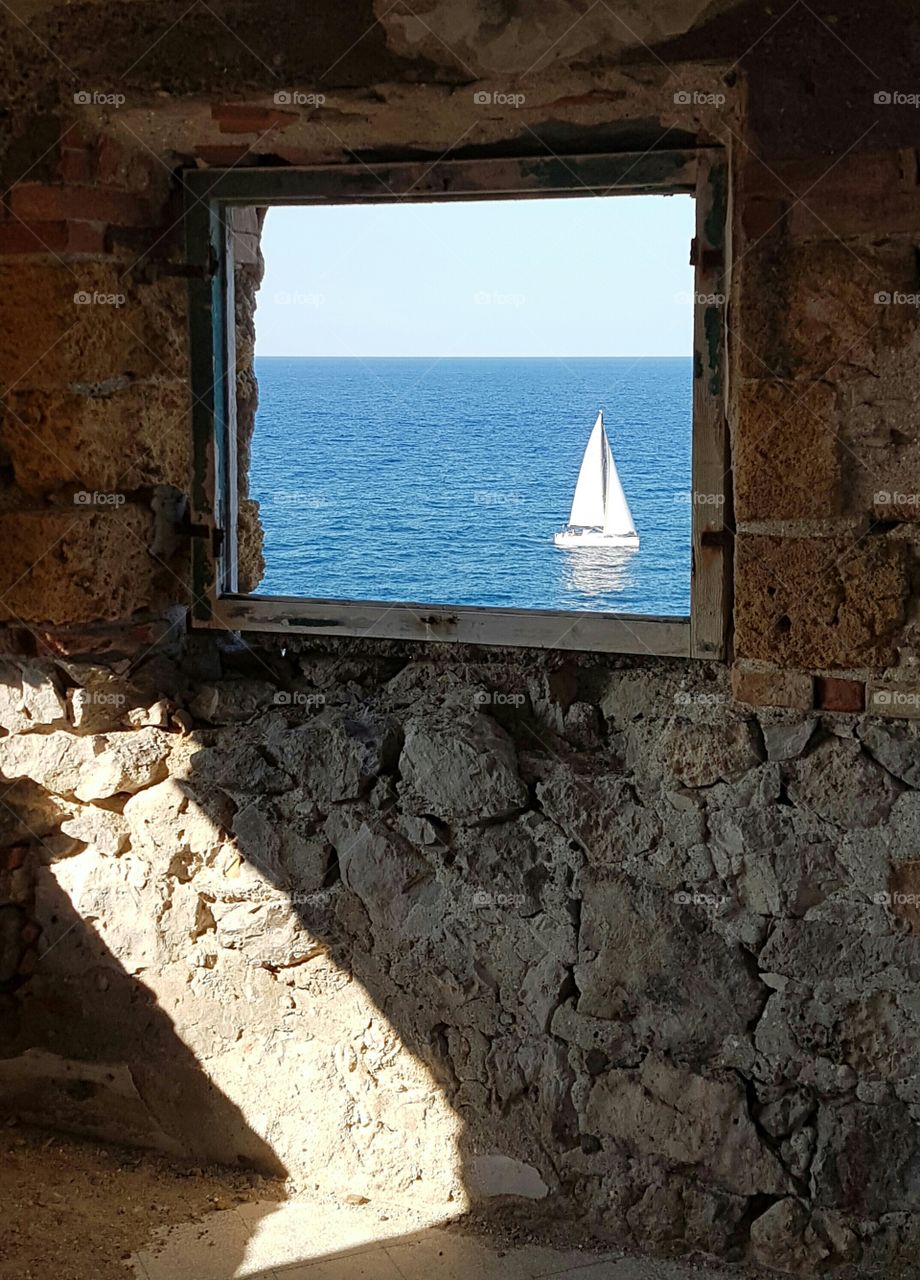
(573, 538)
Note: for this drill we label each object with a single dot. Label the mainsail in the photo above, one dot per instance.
(599, 501)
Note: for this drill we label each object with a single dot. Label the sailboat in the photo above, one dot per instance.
(600, 515)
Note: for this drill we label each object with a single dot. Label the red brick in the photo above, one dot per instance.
(77, 164)
(832, 694)
(242, 118)
(122, 168)
(113, 161)
(51, 238)
(78, 134)
(85, 204)
(84, 237)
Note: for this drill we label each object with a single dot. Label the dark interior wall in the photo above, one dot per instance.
(460, 892)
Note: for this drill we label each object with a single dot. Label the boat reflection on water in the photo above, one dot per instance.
(597, 571)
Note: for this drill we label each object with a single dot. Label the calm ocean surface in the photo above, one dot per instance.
(443, 481)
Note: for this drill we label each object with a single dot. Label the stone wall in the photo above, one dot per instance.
(628, 941)
(588, 934)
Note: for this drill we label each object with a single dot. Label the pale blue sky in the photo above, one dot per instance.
(592, 276)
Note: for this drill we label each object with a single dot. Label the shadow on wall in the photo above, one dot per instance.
(402, 929)
(380, 907)
(97, 1054)
(86, 1046)
(260, 911)
(476, 987)
(447, 934)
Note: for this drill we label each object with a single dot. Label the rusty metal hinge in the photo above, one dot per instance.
(709, 260)
(151, 272)
(209, 531)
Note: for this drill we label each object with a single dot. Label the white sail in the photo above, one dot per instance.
(588, 503)
(599, 501)
(617, 515)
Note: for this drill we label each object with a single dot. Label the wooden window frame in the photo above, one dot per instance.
(212, 195)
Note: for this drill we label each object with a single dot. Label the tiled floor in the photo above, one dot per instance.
(299, 1240)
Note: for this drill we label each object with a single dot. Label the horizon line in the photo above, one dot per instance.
(305, 355)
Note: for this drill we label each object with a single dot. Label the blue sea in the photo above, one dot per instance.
(443, 481)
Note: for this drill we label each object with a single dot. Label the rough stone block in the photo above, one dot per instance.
(843, 785)
(98, 1099)
(90, 768)
(896, 747)
(338, 757)
(601, 812)
(867, 1159)
(684, 1118)
(391, 879)
(636, 943)
(104, 829)
(772, 688)
(88, 324)
(79, 565)
(819, 602)
(785, 741)
(462, 768)
(811, 310)
(880, 430)
(134, 437)
(890, 484)
(497, 1175)
(782, 1239)
(904, 893)
(234, 701)
(680, 1210)
(699, 755)
(893, 698)
(29, 698)
(785, 452)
